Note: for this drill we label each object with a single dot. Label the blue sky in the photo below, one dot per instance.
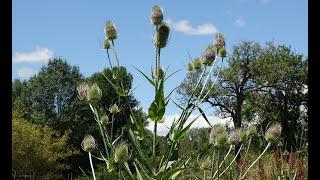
(72, 29)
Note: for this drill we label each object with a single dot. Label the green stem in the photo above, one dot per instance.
(225, 157)
(235, 157)
(154, 145)
(100, 127)
(212, 163)
(112, 122)
(93, 174)
(109, 59)
(255, 161)
(103, 138)
(247, 149)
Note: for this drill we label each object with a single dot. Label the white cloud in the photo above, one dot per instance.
(240, 22)
(25, 73)
(39, 55)
(264, 1)
(163, 128)
(184, 27)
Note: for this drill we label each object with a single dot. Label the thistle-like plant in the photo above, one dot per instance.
(129, 158)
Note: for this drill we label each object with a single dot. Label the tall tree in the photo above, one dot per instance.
(258, 84)
(52, 91)
(286, 101)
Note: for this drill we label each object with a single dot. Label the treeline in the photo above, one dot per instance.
(49, 121)
(259, 85)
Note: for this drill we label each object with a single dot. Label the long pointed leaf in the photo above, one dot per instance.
(204, 116)
(151, 81)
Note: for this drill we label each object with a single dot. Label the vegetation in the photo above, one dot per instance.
(38, 149)
(262, 89)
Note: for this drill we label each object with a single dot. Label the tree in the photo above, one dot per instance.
(20, 97)
(37, 149)
(110, 97)
(233, 85)
(52, 91)
(286, 101)
(51, 100)
(266, 83)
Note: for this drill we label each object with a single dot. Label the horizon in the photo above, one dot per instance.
(72, 30)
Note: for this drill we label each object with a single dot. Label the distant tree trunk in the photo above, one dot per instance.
(237, 124)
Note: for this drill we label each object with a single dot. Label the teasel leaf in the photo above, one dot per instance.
(150, 80)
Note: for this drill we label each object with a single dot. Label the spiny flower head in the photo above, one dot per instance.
(114, 109)
(156, 15)
(190, 67)
(94, 93)
(106, 44)
(104, 119)
(162, 35)
(83, 89)
(121, 153)
(273, 132)
(216, 129)
(197, 64)
(208, 57)
(160, 73)
(222, 52)
(236, 136)
(252, 130)
(88, 143)
(110, 31)
(219, 41)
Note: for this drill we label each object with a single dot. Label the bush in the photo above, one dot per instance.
(37, 149)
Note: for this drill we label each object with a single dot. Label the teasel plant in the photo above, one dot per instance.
(118, 153)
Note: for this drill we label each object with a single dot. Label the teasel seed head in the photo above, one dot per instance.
(219, 41)
(160, 73)
(208, 57)
(273, 133)
(121, 153)
(104, 119)
(218, 135)
(110, 31)
(236, 136)
(83, 90)
(251, 131)
(197, 64)
(190, 67)
(88, 143)
(156, 15)
(222, 52)
(113, 109)
(161, 37)
(106, 44)
(94, 93)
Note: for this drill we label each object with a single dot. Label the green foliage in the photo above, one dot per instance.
(37, 149)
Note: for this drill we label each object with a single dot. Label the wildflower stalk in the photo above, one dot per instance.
(154, 145)
(256, 160)
(213, 82)
(245, 156)
(235, 157)
(112, 122)
(100, 127)
(108, 55)
(212, 164)
(92, 169)
(225, 157)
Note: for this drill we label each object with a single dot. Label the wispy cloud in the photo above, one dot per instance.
(264, 1)
(184, 27)
(163, 128)
(240, 22)
(39, 55)
(25, 72)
